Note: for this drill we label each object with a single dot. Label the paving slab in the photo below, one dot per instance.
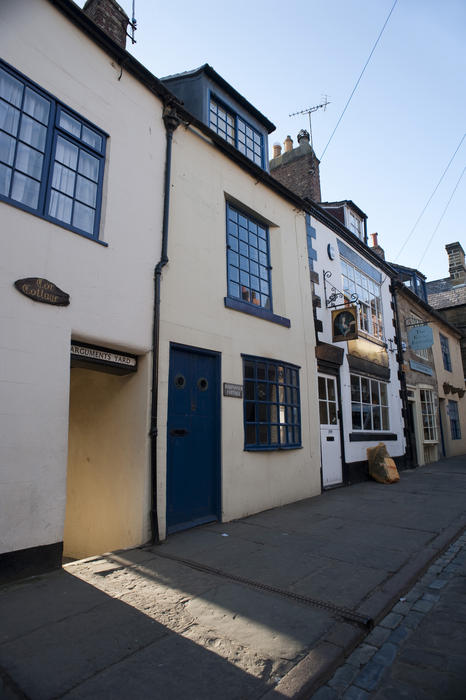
(213, 612)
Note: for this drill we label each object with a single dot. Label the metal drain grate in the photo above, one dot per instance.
(341, 612)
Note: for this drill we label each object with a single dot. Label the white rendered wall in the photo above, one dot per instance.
(111, 288)
(193, 313)
(356, 451)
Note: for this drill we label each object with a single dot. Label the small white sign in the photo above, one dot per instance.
(233, 390)
(102, 355)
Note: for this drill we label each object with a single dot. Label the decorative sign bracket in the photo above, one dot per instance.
(334, 294)
(415, 324)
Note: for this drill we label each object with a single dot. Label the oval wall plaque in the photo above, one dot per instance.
(40, 289)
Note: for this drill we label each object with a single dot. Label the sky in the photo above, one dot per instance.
(402, 126)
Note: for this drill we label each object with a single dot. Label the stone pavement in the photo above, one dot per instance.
(418, 651)
(264, 607)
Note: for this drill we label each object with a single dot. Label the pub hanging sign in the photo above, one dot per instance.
(344, 324)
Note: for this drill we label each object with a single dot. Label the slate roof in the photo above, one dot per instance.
(443, 294)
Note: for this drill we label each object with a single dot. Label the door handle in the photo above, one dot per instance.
(178, 432)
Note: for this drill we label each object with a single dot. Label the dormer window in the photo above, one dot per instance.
(236, 131)
(355, 225)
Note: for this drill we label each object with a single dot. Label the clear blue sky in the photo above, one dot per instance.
(402, 126)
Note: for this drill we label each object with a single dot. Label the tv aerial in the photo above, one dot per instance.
(310, 111)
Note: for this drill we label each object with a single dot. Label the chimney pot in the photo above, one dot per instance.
(304, 136)
(375, 242)
(277, 150)
(288, 144)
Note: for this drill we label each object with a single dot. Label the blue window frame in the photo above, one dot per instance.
(236, 131)
(445, 347)
(51, 159)
(454, 420)
(272, 414)
(248, 260)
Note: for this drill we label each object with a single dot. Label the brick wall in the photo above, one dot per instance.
(299, 170)
(110, 17)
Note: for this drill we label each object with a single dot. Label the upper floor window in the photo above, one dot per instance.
(355, 225)
(369, 404)
(445, 347)
(272, 417)
(248, 259)
(51, 160)
(236, 131)
(369, 295)
(454, 420)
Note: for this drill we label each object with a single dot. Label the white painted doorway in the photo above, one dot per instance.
(330, 442)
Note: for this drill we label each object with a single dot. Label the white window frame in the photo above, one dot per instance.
(369, 298)
(355, 224)
(369, 407)
(428, 415)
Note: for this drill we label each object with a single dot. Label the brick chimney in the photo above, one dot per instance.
(298, 168)
(456, 264)
(110, 17)
(378, 250)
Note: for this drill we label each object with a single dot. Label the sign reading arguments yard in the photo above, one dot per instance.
(102, 359)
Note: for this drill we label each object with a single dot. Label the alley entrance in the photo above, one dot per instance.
(193, 438)
(107, 501)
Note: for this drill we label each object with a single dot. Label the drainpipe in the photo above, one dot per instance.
(401, 374)
(171, 121)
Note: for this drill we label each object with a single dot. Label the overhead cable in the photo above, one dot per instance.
(440, 220)
(428, 201)
(358, 80)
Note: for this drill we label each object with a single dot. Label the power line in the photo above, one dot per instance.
(358, 80)
(429, 200)
(440, 220)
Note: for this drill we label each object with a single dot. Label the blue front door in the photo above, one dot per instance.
(193, 438)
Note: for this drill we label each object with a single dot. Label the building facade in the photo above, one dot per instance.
(158, 350)
(81, 208)
(448, 295)
(237, 342)
(359, 385)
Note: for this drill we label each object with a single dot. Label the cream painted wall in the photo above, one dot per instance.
(356, 451)
(193, 313)
(107, 500)
(456, 379)
(111, 288)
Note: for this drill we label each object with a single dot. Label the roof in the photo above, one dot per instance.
(126, 60)
(401, 288)
(345, 202)
(403, 268)
(217, 78)
(443, 294)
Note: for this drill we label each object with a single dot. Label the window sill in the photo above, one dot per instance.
(372, 338)
(371, 435)
(272, 448)
(257, 311)
(51, 220)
